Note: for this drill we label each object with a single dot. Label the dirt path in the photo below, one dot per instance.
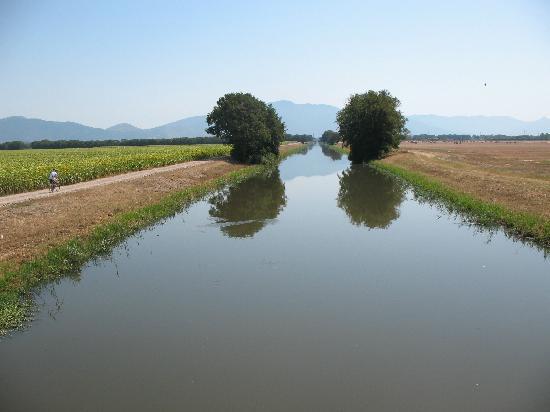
(45, 193)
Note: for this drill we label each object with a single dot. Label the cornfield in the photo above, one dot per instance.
(24, 170)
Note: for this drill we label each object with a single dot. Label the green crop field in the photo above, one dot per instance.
(24, 170)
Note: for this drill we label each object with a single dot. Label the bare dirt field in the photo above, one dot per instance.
(513, 174)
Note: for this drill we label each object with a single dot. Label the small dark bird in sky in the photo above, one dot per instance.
(485, 84)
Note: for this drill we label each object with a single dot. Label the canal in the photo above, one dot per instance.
(317, 287)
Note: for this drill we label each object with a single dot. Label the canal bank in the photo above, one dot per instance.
(47, 239)
(486, 197)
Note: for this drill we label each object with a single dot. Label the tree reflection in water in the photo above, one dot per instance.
(330, 152)
(368, 197)
(244, 209)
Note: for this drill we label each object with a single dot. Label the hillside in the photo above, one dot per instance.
(433, 124)
(299, 119)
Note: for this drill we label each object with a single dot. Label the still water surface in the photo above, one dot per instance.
(321, 287)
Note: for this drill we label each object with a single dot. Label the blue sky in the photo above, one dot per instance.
(152, 62)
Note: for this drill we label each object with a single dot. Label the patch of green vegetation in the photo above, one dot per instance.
(17, 286)
(339, 149)
(24, 170)
(523, 225)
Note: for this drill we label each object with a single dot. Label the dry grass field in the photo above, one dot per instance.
(513, 174)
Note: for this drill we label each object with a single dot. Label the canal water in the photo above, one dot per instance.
(318, 287)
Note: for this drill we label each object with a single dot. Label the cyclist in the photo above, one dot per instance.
(54, 180)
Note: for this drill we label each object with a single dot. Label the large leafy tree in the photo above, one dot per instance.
(330, 137)
(251, 126)
(371, 125)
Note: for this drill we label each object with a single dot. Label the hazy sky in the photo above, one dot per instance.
(152, 62)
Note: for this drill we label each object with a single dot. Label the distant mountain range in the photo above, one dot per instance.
(432, 124)
(27, 130)
(299, 119)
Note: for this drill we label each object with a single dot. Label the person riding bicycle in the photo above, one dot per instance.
(54, 180)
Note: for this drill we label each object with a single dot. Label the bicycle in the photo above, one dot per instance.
(54, 183)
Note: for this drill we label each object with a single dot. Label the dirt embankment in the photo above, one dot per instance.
(30, 228)
(513, 174)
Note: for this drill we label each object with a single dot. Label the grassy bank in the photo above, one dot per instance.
(17, 287)
(339, 149)
(523, 225)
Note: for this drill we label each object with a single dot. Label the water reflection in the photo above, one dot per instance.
(304, 149)
(368, 197)
(329, 152)
(243, 210)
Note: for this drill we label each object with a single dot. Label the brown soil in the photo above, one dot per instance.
(513, 174)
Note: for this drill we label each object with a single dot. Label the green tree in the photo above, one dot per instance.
(244, 209)
(302, 138)
(251, 126)
(330, 137)
(371, 125)
(368, 197)
(14, 145)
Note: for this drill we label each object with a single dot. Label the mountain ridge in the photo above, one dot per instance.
(300, 118)
(478, 124)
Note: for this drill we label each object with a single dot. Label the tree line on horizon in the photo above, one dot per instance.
(474, 137)
(76, 144)
(331, 137)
